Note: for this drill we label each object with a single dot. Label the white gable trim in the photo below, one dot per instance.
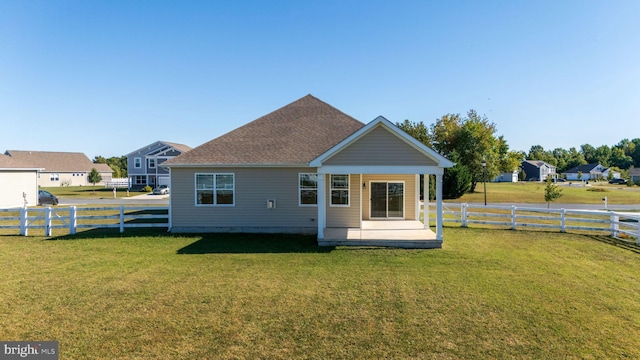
(381, 121)
(409, 170)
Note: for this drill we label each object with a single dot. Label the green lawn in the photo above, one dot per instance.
(491, 294)
(533, 192)
(89, 192)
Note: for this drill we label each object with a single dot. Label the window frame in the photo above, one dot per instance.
(301, 188)
(332, 189)
(151, 163)
(214, 189)
(137, 162)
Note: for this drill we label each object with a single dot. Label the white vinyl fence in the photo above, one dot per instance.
(616, 224)
(117, 183)
(73, 218)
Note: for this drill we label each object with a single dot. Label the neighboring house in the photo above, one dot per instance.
(61, 168)
(615, 174)
(144, 165)
(308, 168)
(585, 172)
(536, 170)
(18, 183)
(634, 174)
(509, 176)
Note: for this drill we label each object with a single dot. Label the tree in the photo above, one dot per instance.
(589, 153)
(467, 141)
(551, 192)
(456, 182)
(603, 154)
(94, 177)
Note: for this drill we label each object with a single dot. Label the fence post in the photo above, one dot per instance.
(562, 221)
(638, 234)
(121, 219)
(47, 221)
(464, 214)
(23, 221)
(614, 224)
(513, 217)
(72, 220)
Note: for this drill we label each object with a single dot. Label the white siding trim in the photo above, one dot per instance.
(373, 170)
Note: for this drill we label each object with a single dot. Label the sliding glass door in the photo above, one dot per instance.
(387, 200)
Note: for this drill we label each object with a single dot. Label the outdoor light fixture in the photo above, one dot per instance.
(364, 185)
(484, 176)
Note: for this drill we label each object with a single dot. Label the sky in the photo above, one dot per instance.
(108, 77)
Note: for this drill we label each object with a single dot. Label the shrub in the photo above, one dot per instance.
(147, 189)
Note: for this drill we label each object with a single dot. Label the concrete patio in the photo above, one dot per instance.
(408, 234)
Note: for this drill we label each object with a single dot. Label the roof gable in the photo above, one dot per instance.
(292, 135)
(160, 146)
(52, 161)
(372, 144)
(586, 168)
(538, 163)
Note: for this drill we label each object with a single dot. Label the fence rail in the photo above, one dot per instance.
(73, 218)
(616, 224)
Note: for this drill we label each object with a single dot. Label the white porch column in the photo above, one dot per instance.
(322, 206)
(439, 207)
(426, 201)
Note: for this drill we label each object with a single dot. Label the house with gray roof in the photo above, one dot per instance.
(536, 170)
(585, 172)
(309, 168)
(18, 183)
(61, 168)
(144, 166)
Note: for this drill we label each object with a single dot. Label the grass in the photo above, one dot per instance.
(486, 294)
(533, 193)
(89, 192)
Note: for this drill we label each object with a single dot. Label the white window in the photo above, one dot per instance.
(152, 163)
(215, 189)
(307, 189)
(340, 190)
(137, 163)
(55, 177)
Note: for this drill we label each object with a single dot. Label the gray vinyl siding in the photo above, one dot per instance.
(409, 194)
(339, 216)
(378, 148)
(253, 187)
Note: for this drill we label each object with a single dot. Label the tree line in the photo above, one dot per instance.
(117, 163)
(472, 143)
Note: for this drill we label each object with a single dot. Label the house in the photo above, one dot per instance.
(18, 183)
(614, 174)
(143, 165)
(585, 172)
(61, 168)
(509, 176)
(634, 174)
(309, 168)
(536, 170)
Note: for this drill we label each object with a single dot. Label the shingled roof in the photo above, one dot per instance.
(581, 169)
(7, 162)
(52, 161)
(292, 135)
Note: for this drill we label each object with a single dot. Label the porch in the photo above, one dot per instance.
(410, 234)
